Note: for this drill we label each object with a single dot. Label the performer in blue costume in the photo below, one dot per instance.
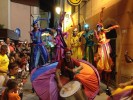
(89, 45)
(39, 53)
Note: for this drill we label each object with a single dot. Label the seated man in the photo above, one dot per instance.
(67, 68)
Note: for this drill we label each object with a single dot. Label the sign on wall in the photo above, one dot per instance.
(74, 2)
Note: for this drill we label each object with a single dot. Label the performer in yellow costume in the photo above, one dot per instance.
(76, 44)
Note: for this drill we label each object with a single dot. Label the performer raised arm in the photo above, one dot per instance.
(39, 52)
(59, 44)
(105, 62)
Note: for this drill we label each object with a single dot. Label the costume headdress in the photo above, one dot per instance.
(86, 26)
(75, 29)
(100, 23)
(66, 50)
(35, 21)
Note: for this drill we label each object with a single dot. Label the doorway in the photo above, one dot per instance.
(112, 35)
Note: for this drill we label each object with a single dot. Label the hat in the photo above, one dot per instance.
(75, 29)
(99, 24)
(35, 21)
(67, 50)
(86, 26)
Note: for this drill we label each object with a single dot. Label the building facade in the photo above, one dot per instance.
(116, 12)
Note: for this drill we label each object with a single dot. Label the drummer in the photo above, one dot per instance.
(67, 68)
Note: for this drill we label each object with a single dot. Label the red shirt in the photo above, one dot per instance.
(72, 64)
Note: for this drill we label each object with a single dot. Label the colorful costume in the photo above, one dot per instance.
(122, 94)
(89, 45)
(105, 62)
(59, 44)
(50, 45)
(39, 51)
(43, 81)
(76, 45)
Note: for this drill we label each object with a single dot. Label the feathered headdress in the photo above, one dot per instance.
(59, 29)
(100, 23)
(35, 21)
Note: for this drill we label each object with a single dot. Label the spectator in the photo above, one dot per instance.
(14, 75)
(11, 92)
(4, 62)
(8, 46)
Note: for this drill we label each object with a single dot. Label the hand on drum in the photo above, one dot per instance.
(75, 70)
(60, 85)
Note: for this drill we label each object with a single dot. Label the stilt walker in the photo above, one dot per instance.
(105, 62)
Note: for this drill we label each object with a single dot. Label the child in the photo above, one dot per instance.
(12, 71)
(11, 92)
(13, 75)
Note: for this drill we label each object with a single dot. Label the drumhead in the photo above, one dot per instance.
(70, 88)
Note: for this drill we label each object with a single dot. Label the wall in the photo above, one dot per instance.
(116, 12)
(21, 12)
(5, 13)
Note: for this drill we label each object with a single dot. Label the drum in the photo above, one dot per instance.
(73, 91)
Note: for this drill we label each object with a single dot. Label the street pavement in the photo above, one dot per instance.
(28, 94)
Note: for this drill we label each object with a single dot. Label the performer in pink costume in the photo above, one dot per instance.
(59, 44)
(59, 39)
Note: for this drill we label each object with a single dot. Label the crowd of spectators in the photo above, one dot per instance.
(14, 64)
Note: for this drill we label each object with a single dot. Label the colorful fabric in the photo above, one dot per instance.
(60, 44)
(59, 48)
(121, 93)
(105, 62)
(39, 54)
(89, 77)
(76, 47)
(43, 81)
(37, 72)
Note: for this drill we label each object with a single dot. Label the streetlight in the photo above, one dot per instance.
(58, 10)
